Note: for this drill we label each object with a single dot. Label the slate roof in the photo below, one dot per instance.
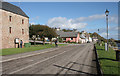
(12, 8)
(67, 34)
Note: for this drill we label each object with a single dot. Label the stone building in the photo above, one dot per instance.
(14, 24)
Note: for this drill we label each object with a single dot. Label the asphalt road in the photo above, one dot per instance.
(73, 59)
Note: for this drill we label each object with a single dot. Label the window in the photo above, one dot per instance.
(10, 30)
(22, 31)
(64, 38)
(10, 18)
(71, 38)
(22, 21)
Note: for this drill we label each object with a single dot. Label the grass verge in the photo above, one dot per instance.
(108, 62)
(11, 51)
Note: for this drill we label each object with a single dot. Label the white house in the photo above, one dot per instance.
(90, 39)
(95, 39)
(82, 38)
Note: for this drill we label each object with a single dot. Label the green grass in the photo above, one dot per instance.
(108, 62)
(11, 51)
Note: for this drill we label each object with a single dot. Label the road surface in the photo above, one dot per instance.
(72, 59)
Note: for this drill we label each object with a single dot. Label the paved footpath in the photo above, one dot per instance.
(28, 54)
(71, 59)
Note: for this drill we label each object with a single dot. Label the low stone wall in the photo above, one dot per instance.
(99, 71)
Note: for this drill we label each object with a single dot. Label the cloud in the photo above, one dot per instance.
(81, 23)
(77, 23)
(65, 23)
(33, 23)
(113, 32)
(35, 18)
(114, 36)
(113, 28)
(89, 18)
(113, 19)
(104, 34)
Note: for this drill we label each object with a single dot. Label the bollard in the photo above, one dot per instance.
(117, 55)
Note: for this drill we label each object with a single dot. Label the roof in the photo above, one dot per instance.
(82, 36)
(67, 34)
(94, 38)
(12, 8)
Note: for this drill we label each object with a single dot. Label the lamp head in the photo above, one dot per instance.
(106, 12)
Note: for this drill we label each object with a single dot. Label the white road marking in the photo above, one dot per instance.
(37, 63)
(26, 56)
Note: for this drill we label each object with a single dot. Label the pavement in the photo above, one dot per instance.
(71, 59)
(46, 42)
(27, 54)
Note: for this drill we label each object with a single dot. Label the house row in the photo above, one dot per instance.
(75, 36)
(68, 36)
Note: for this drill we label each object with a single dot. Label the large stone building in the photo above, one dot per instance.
(14, 24)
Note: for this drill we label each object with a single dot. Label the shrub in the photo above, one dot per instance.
(68, 41)
(60, 39)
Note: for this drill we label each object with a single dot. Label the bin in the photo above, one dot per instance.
(117, 55)
(27, 44)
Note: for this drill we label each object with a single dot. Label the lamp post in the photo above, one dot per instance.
(106, 13)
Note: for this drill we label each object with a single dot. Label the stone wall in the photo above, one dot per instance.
(16, 29)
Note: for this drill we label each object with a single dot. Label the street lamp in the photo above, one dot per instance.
(106, 13)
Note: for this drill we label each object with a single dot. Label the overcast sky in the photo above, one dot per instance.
(87, 16)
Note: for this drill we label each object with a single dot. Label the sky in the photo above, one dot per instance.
(83, 16)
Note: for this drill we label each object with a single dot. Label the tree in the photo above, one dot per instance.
(31, 32)
(90, 34)
(74, 29)
(99, 37)
(43, 31)
(112, 42)
(50, 33)
(67, 30)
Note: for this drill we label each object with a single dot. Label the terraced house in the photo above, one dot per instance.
(14, 25)
(69, 36)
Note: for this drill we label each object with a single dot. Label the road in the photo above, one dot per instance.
(72, 59)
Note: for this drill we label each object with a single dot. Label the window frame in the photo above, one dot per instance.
(10, 18)
(10, 30)
(22, 21)
(22, 31)
(71, 38)
(64, 39)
